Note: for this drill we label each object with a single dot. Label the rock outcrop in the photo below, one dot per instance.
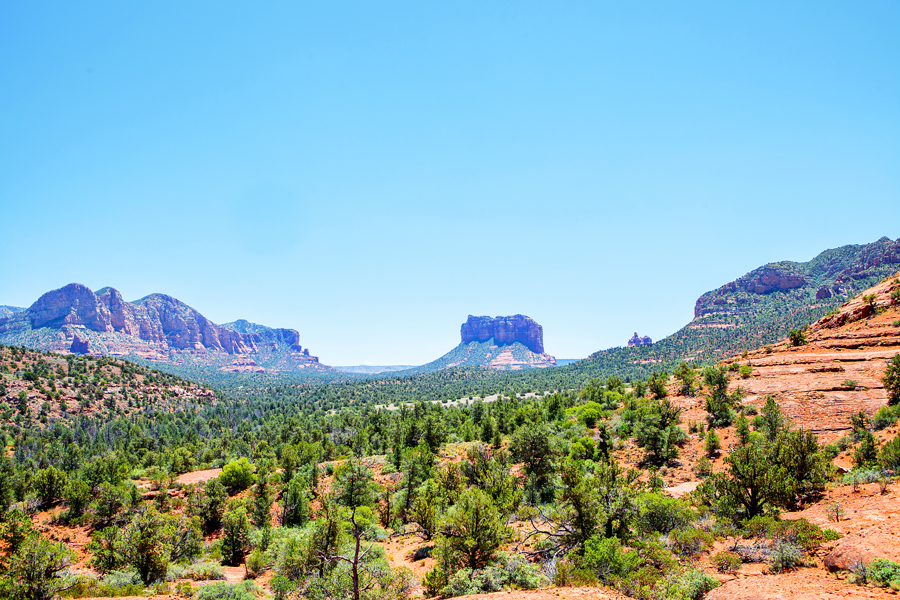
(637, 340)
(504, 331)
(79, 346)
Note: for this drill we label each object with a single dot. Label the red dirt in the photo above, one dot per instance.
(581, 593)
(804, 584)
(198, 476)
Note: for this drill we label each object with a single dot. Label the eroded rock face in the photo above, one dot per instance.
(504, 330)
(637, 340)
(157, 318)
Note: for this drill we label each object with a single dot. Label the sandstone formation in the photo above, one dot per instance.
(157, 327)
(637, 340)
(504, 330)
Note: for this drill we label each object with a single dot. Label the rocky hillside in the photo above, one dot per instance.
(838, 371)
(158, 328)
(500, 343)
(758, 308)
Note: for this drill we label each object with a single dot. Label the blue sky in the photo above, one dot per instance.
(371, 173)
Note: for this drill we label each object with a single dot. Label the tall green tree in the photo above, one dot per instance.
(236, 530)
(146, 545)
(355, 484)
(473, 530)
(39, 570)
(294, 504)
(262, 501)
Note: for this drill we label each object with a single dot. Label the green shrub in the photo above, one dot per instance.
(512, 571)
(867, 452)
(758, 527)
(690, 541)
(246, 590)
(746, 371)
(891, 380)
(703, 468)
(434, 581)
(726, 562)
(660, 513)
(689, 584)
(838, 446)
(258, 562)
(799, 532)
(883, 572)
(522, 574)
(90, 587)
(606, 559)
(569, 575)
(237, 475)
(797, 338)
(785, 556)
(198, 571)
(590, 413)
(889, 455)
(885, 417)
(122, 578)
(713, 443)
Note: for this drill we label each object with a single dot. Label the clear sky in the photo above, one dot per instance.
(370, 173)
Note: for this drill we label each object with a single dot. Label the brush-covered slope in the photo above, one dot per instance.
(159, 329)
(46, 387)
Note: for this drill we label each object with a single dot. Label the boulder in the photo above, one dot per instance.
(878, 541)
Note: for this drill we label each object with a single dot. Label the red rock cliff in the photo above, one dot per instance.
(504, 330)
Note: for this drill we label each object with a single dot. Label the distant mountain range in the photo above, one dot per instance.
(157, 329)
(755, 309)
